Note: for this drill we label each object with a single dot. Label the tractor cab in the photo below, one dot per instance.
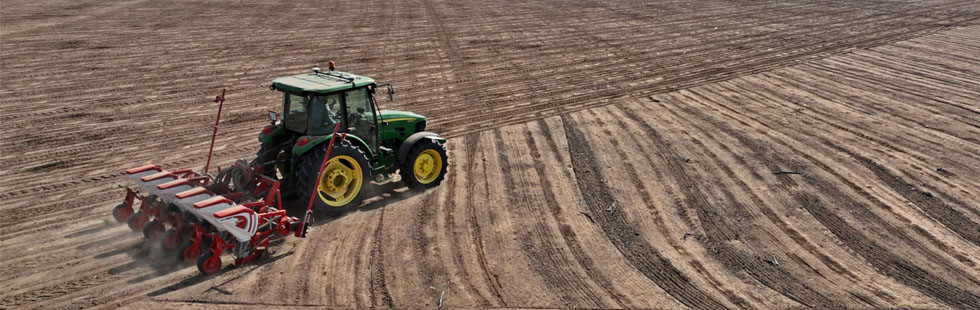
(314, 103)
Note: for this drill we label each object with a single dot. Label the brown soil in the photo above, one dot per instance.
(604, 155)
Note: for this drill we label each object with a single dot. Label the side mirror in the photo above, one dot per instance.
(273, 117)
(391, 93)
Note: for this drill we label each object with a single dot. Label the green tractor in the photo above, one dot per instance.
(378, 142)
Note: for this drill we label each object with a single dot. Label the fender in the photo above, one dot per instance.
(416, 137)
(316, 140)
(271, 134)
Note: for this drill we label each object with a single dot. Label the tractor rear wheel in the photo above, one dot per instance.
(341, 186)
(425, 166)
(266, 158)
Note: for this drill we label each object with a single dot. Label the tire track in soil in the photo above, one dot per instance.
(855, 65)
(620, 231)
(823, 140)
(101, 177)
(691, 80)
(104, 10)
(854, 85)
(886, 139)
(571, 240)
(420, 240)
(20, 221)
(932, 205)
(460, 66)
(882, 259)
(826, 119)
(74, 283)
(547, 258)
(472, 145)
(56, 255)
(749, 88)
(456, 239)
(678, 203)
(564, 68)
(720, 231)
(767, 212)
(379, 290)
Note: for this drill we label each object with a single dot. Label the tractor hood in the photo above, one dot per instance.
(395, 115)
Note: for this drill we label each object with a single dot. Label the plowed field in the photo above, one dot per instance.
(603, 154)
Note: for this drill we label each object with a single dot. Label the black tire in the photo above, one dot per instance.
(266, 158)
(309, 166)
(407, 170)
(136, 221)
(187, 253)
(121, 217)
(171, 239)
(153, 230)
(208, 263)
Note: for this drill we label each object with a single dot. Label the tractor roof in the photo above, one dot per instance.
(322, 82)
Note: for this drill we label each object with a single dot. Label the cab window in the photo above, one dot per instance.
(360, 115)
(324, 114)
(295, 113)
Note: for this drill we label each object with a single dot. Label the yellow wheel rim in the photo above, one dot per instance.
(427, 166)
(340, 182)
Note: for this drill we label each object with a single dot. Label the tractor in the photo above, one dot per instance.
(374, 144)
(328, 146)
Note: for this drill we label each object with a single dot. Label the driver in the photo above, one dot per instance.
(357, 118)
(326, 117)
(360, 123)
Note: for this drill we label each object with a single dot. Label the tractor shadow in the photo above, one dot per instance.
(378, 195)
(385, 194)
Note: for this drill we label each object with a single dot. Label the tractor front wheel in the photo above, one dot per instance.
(425, 166)
(341, 186)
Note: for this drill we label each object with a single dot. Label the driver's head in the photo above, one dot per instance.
(360, 110)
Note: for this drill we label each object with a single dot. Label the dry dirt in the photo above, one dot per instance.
(678, 154)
